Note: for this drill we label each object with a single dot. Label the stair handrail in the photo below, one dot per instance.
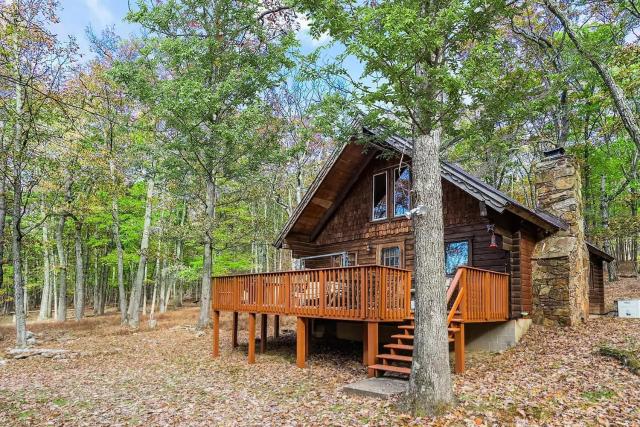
(454, 284)
(457, 282)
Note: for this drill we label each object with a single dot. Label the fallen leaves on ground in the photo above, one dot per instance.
(166, 376)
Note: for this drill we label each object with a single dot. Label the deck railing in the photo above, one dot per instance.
(485, 294)
(367, 292)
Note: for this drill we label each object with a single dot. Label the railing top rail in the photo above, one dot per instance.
(484, 270)
(312, 269)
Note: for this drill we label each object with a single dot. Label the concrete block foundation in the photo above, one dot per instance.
(495, 336)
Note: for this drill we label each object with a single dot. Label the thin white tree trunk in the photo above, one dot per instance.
(79, 290)
(54, 290)
(45, 302)
(96, 285)
(61, 311)
(115, 216)
(207, 266)
(26, 286)
(134, 303)
(16, 241)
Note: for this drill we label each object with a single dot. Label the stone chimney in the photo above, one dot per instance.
(560, 276)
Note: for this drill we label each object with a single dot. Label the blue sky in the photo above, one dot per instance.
(77, 15)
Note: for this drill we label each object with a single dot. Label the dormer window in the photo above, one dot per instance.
(379, 196)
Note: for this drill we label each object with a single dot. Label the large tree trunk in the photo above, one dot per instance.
(134, 303)
(430, 389)
(207, 266)
(79, 291)
(45, 301)
(115, 215)
(619, 100)
(61, 312)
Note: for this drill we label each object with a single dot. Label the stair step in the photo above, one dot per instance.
(392, 368)
(399, 346)
(453, 329)
(409, 327)
(402, 336)
(396, 357)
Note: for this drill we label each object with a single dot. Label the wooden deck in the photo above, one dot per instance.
(368, 292)
(371, 294)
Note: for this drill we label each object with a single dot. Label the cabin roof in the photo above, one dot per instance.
(349, 160)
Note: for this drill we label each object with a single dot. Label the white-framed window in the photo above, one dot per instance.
(401, 191)
(379, 196)
(391, 256)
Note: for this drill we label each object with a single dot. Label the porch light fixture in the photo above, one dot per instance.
(491, 228)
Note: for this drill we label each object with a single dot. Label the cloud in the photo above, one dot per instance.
(100, 12)
(304, 33)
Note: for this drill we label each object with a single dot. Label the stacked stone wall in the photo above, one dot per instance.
(560, 275)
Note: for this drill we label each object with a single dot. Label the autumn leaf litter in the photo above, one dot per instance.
(166, 376)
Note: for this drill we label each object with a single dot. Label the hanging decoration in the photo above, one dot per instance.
(491, 228)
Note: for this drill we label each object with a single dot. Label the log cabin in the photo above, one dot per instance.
(352, 238)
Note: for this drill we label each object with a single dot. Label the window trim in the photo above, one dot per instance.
(470, 257)
(386, 196)
(382, 246)
(393, 184)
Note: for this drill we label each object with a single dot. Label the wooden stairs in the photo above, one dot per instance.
(398, 356)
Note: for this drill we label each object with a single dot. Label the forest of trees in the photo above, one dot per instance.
(129, 176)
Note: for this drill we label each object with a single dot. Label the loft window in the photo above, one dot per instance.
(455, 255)
(390, 256)
(380, 196)
(401, 191)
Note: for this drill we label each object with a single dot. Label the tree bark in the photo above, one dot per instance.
(430, 389)
(619, 100)
(3, 217)
(204, 319)
(45, 301)
(79, 290)
(61, 312)
(16, 240)
(96, 284)
(115, 215)
(604, 215)
(134, 303)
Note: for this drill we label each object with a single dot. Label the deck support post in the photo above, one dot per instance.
(302, 340)
(458, 347)
(252, 338)
(263, 332)
(276, 326)
(216, 333)
(234, 331)
(365, 333)
(372, 346)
